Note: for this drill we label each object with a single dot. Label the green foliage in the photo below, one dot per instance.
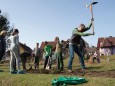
(4, 23)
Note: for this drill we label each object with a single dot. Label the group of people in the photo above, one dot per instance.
(74, 45)
(48, 55)
(14, 49)
(92, 56)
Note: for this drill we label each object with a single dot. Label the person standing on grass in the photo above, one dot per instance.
(48, 54)
(58, 54)
(50, 58)
(37, 54)
(15, 52)
(2, 43)
(108, 54)
(77, 33)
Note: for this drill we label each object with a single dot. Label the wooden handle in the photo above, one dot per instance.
(91, 10)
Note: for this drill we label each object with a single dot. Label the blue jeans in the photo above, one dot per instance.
(73, 48)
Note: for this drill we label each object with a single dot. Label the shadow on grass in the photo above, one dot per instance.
(111, 70)
(1, 71)
(94, 68)
(73, 66)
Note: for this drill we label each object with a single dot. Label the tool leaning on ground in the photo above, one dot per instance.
(68, 81)
(91, 10)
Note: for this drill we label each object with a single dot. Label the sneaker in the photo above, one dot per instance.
(70, 71)
(47, 68)
(13, 72)
(20, 72)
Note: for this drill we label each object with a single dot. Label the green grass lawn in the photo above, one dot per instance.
(7, 79)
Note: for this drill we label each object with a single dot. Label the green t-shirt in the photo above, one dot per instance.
(48, 50)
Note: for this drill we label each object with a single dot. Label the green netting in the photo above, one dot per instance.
(63, 81)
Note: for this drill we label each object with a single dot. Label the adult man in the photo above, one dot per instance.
(75, 43)
(2, 43)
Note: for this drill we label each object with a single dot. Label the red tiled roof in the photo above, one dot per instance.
(106, 42)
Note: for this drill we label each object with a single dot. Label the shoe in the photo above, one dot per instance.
(70, 71)
(84, 71)
(13, 72)
(61, 70)
(20, 72)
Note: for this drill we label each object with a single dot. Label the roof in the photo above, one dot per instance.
(52, 43)
(91, 49)
(106, 42)
(26, 48)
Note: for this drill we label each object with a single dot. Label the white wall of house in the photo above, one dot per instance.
(104, 51)
(113, 50)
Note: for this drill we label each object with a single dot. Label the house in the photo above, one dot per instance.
(65, 52)
(53, 44)
(106, 45)
(90, 49)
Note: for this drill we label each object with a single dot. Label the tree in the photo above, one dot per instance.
(4, 23)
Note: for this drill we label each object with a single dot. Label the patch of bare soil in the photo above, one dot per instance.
(76, 72)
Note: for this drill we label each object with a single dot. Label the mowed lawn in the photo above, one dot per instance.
(7, 79)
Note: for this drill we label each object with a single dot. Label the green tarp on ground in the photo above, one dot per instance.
(64, 81)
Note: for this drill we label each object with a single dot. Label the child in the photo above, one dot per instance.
(48, 53)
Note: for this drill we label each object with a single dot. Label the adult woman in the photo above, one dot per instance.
(2, 43)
